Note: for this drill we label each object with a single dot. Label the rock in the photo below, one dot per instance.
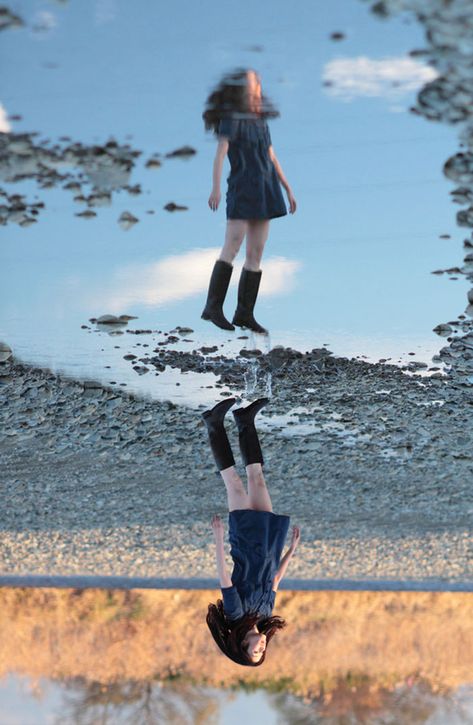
(171, 206)
(108, 320)
(153, 163)
(113, 319)
(182, 152)
(443, 330)
(9, 19)
(127, 220)
(5, 352)
(87, 214)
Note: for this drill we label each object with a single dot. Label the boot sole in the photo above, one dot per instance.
(205, 316)
(240, 413)
(224, 405)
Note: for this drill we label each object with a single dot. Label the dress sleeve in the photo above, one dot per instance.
(232, 603)
(227, 128)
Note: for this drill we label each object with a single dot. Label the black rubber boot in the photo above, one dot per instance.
(218, 438)
(248, 438)
(218, 286)
(247, 293)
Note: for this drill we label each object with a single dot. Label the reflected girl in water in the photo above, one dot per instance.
(237, 112)
(242, 624)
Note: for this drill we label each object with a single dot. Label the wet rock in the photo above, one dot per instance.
(9, 19)
(109, 320)
(5, 352)
(171, 206)
(182, 152)
(140, 369)
(87, 214)
(443, 330)
(153, 163)
(183, 330)
(127, 220)
(134, 190)
(106, 168)
(99, 198)
(250, 353)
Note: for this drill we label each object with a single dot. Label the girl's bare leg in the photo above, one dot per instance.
(234, 235)
(256, 236)
(258, 494)
(236, 492)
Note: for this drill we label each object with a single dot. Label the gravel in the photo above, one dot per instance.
(374, 464)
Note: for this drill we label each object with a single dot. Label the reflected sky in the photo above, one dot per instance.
(351, 268)
(110, 656)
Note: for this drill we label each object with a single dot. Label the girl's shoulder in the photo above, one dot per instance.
(228, 127)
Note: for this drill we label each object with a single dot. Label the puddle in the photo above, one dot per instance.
(115, 201)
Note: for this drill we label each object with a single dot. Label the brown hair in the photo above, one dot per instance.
(230, 96)
(230, 633)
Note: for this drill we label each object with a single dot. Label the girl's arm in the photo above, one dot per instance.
(284, 563)
(223, 575)
(220, 154)
(279, 171)
(283, 180)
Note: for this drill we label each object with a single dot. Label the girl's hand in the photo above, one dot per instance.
(214, 199)
(292, 202)
(296, 537)
(217, 526)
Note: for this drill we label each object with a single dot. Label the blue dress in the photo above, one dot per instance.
(254, 191)
(256, 543)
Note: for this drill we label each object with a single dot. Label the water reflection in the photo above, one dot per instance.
(83, 656)
(162, 260)
(448, 98)
(236, 111)
(176, 278)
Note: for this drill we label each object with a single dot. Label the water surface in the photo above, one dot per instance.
(352, 268)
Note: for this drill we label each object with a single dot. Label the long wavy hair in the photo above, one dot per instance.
(230, 96)
(230, 633)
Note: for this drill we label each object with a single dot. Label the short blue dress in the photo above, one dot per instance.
(256, 543)
(254, 191)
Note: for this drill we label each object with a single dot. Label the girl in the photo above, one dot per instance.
(242, 624)
(237, 112)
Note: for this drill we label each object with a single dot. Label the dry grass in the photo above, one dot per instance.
(107, 637)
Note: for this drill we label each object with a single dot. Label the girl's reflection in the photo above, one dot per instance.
(242, 624)
(237, 111)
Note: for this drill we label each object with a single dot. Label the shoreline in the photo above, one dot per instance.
(114, 583)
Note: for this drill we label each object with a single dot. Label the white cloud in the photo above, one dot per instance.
(5, 126)
(105, 11)
(388, 77)
(44, 21)
(179, 277)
